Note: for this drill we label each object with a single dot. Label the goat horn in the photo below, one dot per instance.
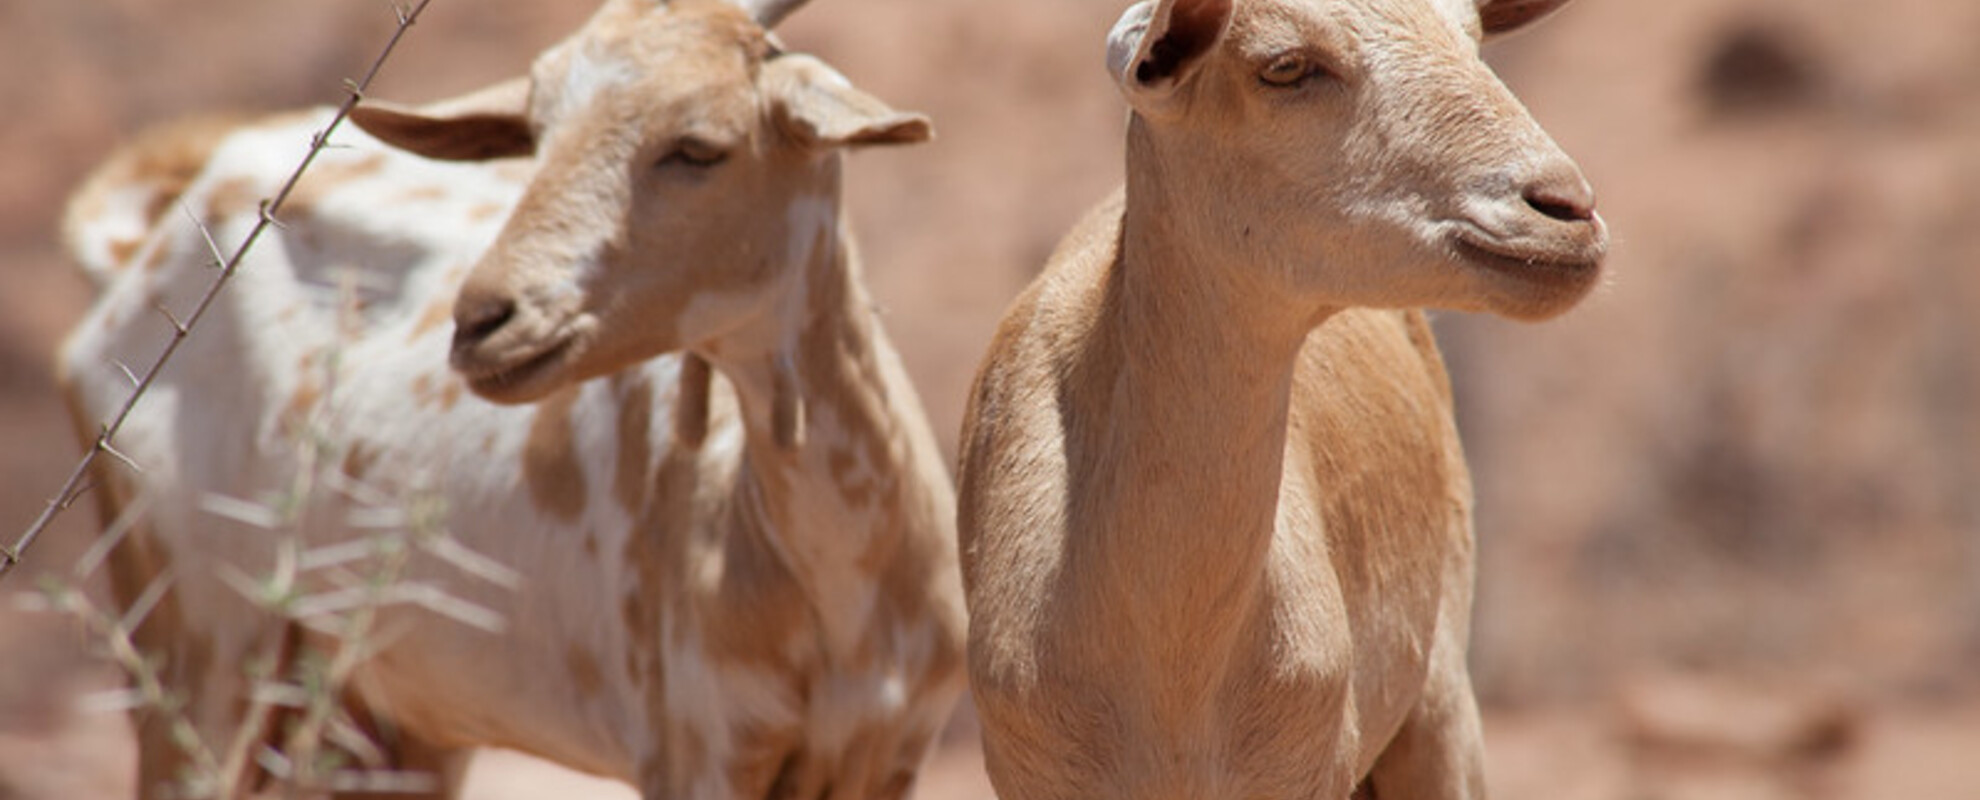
(768, 13)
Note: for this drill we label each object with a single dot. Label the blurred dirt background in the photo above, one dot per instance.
(1729, 509)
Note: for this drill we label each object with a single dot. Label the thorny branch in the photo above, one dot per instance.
(77, 482)
(292, 726)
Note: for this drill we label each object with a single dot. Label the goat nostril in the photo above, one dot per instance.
(475, 320)
(1570, 201)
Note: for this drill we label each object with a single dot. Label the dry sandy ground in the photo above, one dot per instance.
(1754, 457)
(1559, 753)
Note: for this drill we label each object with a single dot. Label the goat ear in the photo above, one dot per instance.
(1499, 17)
(486, 124)
(819, 107)
(1157, 43)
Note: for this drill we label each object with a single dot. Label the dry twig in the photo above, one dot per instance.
(78, 481)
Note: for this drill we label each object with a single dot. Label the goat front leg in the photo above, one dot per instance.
(1439, 752)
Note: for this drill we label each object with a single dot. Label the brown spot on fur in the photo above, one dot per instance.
(427, 394)
(514, 170)
(421, 194)
(758, 607)
(160, 256)
(450, 394)
(232, 197)
(301, 402)
(485, 212)
(123, 250)
(666, 546)
(437, 313)
(328, 176)
(359, 459)
(583, 667)
(174, 153)
(165, 159)
(629, 481)
(422, 389)
(550, 462)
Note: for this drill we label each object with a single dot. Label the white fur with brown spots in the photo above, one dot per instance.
(1215, 516)
(734, 583)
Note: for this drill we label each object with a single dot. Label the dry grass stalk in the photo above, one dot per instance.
(296, 730)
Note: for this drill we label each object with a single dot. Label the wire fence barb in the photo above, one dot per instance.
(78, 482)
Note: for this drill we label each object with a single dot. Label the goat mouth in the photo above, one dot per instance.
(517, 381)
(1528, 265)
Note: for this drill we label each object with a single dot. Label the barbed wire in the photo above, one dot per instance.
(77, 484)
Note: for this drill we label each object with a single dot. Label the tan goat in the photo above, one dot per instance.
(737, 583)
(1215, 517)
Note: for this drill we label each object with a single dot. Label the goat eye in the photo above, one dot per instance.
(695, 153)
(1289, 70)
